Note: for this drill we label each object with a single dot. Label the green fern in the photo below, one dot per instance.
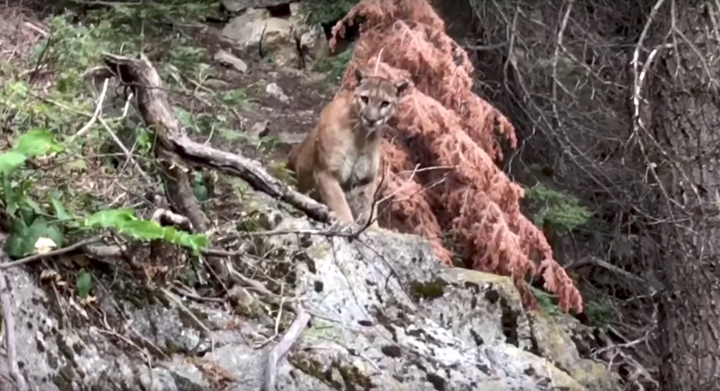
(555, 210)
(125, 222)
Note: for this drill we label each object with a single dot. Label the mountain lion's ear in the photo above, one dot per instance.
(359, 75)
(401, 86)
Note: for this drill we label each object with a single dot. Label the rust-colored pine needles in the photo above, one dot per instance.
(441, 176)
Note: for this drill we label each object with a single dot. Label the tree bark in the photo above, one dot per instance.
(681, 143)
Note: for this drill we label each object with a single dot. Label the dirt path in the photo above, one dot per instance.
(287, 122)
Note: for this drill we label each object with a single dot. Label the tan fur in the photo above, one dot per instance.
(338, 162)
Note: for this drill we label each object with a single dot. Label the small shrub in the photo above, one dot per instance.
(315, 12)
(556, 211)
(600, 311)
(334, 66)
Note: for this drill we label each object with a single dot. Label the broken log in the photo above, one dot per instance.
(141, 76)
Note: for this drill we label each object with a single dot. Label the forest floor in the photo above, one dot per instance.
(47, 85)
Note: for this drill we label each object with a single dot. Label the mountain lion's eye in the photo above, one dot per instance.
(364, 99)
(384, 104)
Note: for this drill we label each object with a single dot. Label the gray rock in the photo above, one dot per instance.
(386, 314)
(276, 92)
(241, 5)
(277, 35)
(259, 128)
(228, 59)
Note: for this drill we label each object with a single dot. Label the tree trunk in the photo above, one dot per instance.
(681, 142)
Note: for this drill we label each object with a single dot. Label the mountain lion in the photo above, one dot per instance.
(338, 161)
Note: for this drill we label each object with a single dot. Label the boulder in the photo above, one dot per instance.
(237, 6)
(385, 315)
(228, 59)
(277, 35)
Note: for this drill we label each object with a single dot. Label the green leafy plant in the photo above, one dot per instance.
(28, 225)
(601, 311)
(546, 302)
(83, 284)
(555, 210)
(125, 222)
(74, 47)
(186, 58)
(334, 66)
(234, 98)
(151, 17)
(280, 171)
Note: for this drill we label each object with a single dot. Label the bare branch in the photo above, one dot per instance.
(279, 351)
(60, 251)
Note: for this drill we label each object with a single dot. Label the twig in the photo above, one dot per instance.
(317, 232)
(591, 260)
(259, 287)
(558, 45)
(40, 59)
(277, 320)
(173, 297)
(36, 29)
(122, 146)
(372, 216)
(635, 65)
(402, 187)
(96, 114)
(288, 340)
(10, 339)
(59, 251)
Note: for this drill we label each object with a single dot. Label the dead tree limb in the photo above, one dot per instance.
(288, 340)
(173, 142)
(10, 339)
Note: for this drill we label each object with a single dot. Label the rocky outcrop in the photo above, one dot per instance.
(242, 5)
(385, 315)
(282, 39)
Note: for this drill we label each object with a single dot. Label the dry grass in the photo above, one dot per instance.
(20, 31)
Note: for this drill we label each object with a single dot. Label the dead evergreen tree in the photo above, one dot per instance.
(440, 164)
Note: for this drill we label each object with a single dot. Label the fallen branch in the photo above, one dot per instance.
(10, 339)
(595, 261)
(60, 251)
(96, 114)
(140, 74)
(288, 340)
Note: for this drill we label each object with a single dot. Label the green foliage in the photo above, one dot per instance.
(124, 222)
(235, 98)
(34, 143)
(200, 188)
(83, 284)
(601, 311)
(68, 53)
(186, 58)
(150, 19)
(546, 303)
(73, 48)
(555, 210)
(28, 226)
(280, 171)
(37, 142)
(315, 12)
(334, 66)
(23, 237)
